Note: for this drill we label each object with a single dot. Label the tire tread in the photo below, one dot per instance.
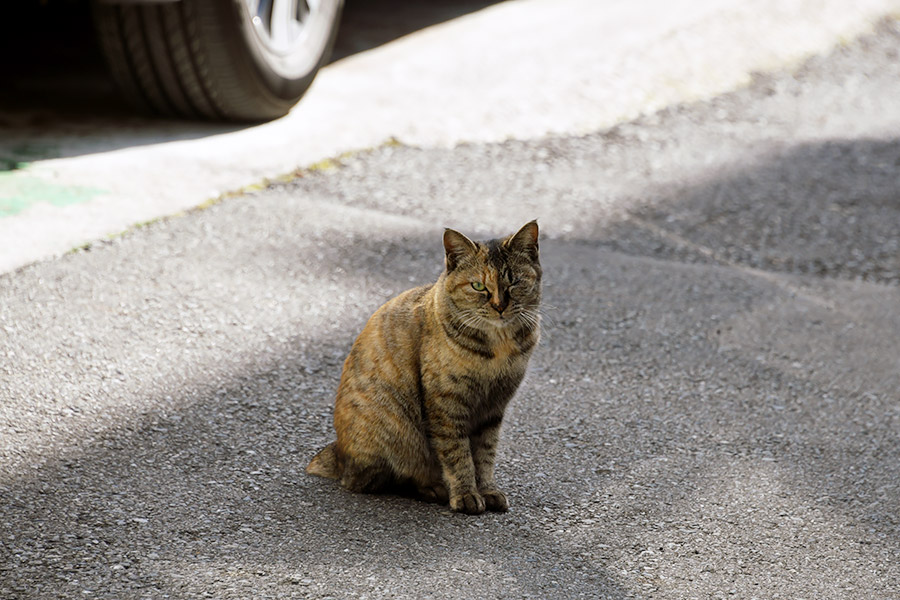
(183, 59)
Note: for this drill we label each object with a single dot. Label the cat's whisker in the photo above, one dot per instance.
(544, 316)
(471, 319)
(528, 318)
(530, 312)
(534, 320)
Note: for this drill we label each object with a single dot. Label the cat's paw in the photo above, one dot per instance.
(495, 500)
(470, 503)
(434, 493)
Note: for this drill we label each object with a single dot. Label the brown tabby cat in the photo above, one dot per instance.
(425, 385)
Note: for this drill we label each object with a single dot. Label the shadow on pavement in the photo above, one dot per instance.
(209, 496)
(369, 24)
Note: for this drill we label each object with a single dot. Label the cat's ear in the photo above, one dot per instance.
(525, 241)
(457, 247)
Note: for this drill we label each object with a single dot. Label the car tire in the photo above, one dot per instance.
(231, 60)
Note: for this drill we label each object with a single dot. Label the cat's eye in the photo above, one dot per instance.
(478, 286)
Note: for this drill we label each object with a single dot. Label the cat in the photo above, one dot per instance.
(424, 388)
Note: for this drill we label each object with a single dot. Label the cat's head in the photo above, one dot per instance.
(495, 283)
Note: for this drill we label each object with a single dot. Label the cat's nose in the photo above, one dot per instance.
(500, 302)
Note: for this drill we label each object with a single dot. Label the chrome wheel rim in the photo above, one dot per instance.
(291, 34)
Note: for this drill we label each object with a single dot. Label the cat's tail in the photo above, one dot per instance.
(325, 463)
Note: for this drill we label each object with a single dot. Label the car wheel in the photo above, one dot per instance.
(235, 60)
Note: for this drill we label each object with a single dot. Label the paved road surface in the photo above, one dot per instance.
(713, 412)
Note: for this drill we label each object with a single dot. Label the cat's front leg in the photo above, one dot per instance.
(454, 454)
(484, 451)
(459, 474)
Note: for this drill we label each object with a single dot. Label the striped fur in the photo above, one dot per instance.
(425, 386)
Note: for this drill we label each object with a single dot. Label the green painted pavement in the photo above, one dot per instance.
(19, 191)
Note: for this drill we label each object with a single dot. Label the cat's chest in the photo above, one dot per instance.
(485, 357)
(504, 350)
(511, 350)
(507, 364)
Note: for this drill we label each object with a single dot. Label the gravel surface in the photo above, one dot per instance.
(713, 411)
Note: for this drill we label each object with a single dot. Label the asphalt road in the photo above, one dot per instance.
(713, 411)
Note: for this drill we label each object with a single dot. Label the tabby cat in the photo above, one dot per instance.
(425, 385)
